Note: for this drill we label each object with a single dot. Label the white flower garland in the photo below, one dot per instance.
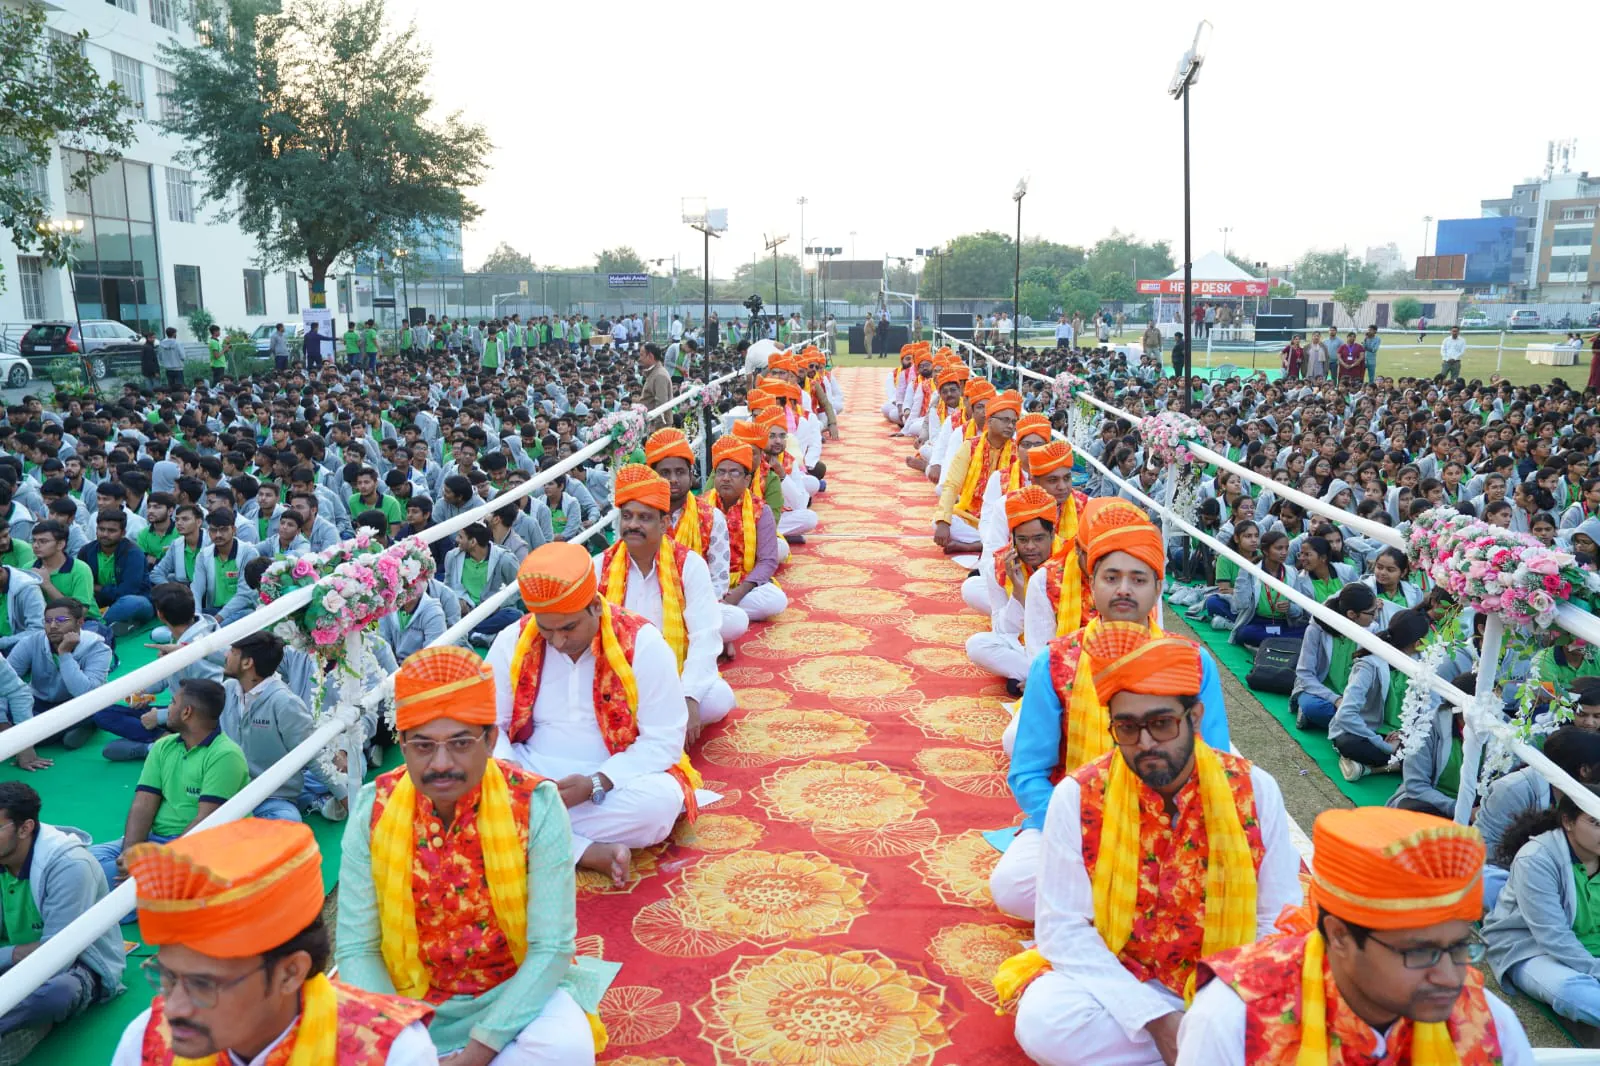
(1417, 707)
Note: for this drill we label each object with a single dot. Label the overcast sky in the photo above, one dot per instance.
(909, 124)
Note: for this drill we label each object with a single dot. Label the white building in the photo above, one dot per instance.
(150, 251)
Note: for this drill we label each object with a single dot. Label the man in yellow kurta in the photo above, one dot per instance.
(955, 519)
(457, 886)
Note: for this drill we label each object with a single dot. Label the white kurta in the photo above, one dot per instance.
(1000, 650)
(411, 1048)
(1212, 1032)
(1038, 613)
(1090, 1009)
(644, 801)
(701, 617)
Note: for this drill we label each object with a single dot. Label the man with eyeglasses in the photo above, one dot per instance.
(47, 879)
(1377, 966)
(235, 913)
(62, 662)
(442, 901)
(1061, 722)
(1159, 852)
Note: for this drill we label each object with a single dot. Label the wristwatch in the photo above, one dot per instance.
(598, 795)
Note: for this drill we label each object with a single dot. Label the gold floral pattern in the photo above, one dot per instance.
(807, 575)
(881, 841)
(594, 883)
(659, 927)
(851, 551)
(932, 590)
(765, 896)
(946, 662)
(633, 1014)
(640, 1060)
(958, 868)
(592, 946)
(849, 675)
(970, 718)
(745, 675)
(876, 603)
(978, 773)
(972, 951)
(808, 1008)
(760, 699)
(951, 629)
(785, 640)
(841, 796)
(789, 734)
(719, 832)
(925, 569)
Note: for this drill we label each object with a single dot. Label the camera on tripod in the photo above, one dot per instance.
(754, 304)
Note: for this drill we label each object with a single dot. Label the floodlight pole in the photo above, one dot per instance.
(1182, 81)
(704, 226)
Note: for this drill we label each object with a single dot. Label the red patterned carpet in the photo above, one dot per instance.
(833, 909)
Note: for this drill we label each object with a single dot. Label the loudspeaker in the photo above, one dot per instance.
(1295, 309)
(957, 324)
(417, 315)
(1274, 327)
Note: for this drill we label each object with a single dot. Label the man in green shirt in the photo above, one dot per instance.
(490, 360)
(187, 775)
(219, 362)
(61, 577)
(352, 347)
(160, 530)
(369, 498)
(17, 553)
(369, 344)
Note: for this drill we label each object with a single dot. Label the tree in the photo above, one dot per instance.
(1039, 275)
(1281, 291)
(1037, 301)
(1329, 270)
(1127, 253)
(507, 260)
(755, 276)
(1057, 259)
(1078, 279)
(1406, 310)
(1083, 302)
(1244, 263)
(311, 114)
(1117, 286)
(49, 95)
(1351, 298)
(976, 265)
(619, 260)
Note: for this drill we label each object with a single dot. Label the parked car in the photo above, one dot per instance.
(109, 345)
(15, 373)
(1594, 318)
(262, 336)
(1524, 319)
(1474, 320)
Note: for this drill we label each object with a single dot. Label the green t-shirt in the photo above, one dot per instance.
(77, 582)
(491, 354)
(1270, 603)
(558, 521)
(1396, 597)
(1339, 660)
(352, 342)
(155, 544)
(1450, 777)
(1327, 588)
(369, 342)
(389, 505)
(217, 359)
(1546, 668)
(585, 331)
(772, 492)
(225, 578)
(23, 923)
(1227, 571)
(211, 771)
(474, 576)
(1398, 683)
(20, 555)
(189, 556)
(1585, 926)
(105, 569)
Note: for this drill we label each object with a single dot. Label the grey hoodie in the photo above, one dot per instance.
(24, 607)
(66, 881)
(1536, 909)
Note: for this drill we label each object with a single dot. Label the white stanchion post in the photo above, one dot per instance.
(1471, 739)
(1500, 351)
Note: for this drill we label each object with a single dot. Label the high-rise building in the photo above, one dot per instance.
(151, 251)
(1547, 253)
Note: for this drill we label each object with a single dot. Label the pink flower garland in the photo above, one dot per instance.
(1491, 569)
(352, 588)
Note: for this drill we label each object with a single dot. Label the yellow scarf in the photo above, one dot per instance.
(505, 864)
(747, 523)
(672, 624)
(1069, 609)
(316, 1040)
(1430, 1041)
(1230, 908)
(975, 465)
(1088, 720)
(688, 531)
(617, 659)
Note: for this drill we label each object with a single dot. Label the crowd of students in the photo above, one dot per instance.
(168, 505)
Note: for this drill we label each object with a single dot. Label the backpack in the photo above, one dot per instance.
(1273, 669)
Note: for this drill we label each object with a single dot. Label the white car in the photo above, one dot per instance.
(1474, 320)
(1524, 319)
(15, 373)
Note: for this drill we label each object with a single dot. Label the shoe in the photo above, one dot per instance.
(1220, 623)
(77, 736)
(1013, 687)
(121, 750)
(973, 573)
(795, 539)
(334, 809)
(122, 629)
(480, 640)
(822, 484)
(1352, 770)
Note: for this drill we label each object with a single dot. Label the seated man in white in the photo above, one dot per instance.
(1031, 513)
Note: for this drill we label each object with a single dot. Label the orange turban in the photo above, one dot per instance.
(788, 390)
(1028, 503)
(557, 578)
(1033, 425)
(1108, 509)
(750, 433)
(1048, 457)
(978, 390)
(757, 398)
(771, 418)
(1010, 400)
(1165, 667)
(948, 376)
(446, 681)
(667, 444)
(1140, 540)
(638, 482)
(230, 891)
(732, 449)
(1394, 869)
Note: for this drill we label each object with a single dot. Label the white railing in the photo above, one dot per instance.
(1475, 725)
(59, 951)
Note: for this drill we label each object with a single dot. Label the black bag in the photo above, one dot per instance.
(1273, 669)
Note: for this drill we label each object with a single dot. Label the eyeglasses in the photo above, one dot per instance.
(425, 747)
(1427, 956)
(201, 990)
(1161, 727)
(59, 620)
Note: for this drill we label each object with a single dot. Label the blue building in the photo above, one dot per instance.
(1488, 243)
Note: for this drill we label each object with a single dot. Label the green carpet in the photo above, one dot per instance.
(1371, 791)
(85, 790)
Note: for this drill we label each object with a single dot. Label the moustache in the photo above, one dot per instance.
(443, 775)
(184, 1027)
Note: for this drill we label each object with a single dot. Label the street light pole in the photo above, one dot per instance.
(802, 201)
(1425, 220)
(773, 243)
(1183, 80)
(1016, 280)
